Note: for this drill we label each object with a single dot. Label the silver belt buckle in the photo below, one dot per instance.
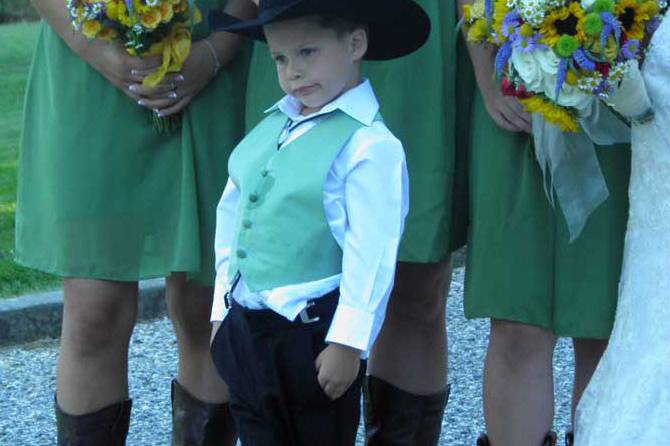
(304, 317)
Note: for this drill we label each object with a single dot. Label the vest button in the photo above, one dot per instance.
(264, 172)
(241, 253)
(246, 224)
(253, 198)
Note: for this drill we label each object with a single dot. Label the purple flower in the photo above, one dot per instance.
(653, 24)
(511, 23)
(612, 25)
(631, 49)
(502, 57)
(603, 89)
(582, 59)
(488, 8)
(103, 9)
(561, 75)
(527, 44)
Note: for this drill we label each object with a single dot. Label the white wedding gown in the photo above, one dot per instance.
(628, 399)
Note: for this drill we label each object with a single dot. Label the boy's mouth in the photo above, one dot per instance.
(304, 91)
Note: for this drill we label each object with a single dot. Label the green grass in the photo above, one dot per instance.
(18, 41)
(16, 10)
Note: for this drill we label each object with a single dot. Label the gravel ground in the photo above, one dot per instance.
(27, 383)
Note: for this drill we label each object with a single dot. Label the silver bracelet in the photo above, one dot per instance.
(217, 64)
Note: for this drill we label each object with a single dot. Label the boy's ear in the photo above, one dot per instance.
(359, 43)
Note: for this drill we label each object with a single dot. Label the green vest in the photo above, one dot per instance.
(282, 234)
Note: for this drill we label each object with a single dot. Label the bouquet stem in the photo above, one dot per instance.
(166, 125)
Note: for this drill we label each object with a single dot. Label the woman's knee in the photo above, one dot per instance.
(420, 293)
(189, 305)
(519, 344)
(98, 315)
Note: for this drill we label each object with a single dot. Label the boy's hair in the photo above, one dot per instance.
(340, 25)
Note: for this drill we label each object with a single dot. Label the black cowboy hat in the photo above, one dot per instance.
(395, 27)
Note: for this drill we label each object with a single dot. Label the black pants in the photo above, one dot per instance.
(268, 363)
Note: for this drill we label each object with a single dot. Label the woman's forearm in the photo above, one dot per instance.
(57, 16)
(482, 56)
(225, 44)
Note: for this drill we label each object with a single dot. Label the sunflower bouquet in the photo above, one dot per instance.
(558, 56)
(146, 28)
(570, 63)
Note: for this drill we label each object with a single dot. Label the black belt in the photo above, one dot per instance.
(315, 310)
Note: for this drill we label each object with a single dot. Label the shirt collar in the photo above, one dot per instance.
(360, 103)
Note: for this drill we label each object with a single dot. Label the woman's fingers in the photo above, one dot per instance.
(176, 107)
(159, 91)
(515, 114)
(156, 104)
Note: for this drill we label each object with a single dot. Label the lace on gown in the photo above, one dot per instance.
(628, 399)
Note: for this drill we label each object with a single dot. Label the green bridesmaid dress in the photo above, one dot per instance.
(520, 265)
(101, 194)
(425, 98)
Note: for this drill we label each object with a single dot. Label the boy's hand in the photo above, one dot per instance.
(338, 366)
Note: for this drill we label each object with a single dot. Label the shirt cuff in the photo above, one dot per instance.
(219, 310)
(351, 327)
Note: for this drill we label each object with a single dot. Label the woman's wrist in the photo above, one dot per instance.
(215, 56)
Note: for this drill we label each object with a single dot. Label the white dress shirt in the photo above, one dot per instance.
(365, 198)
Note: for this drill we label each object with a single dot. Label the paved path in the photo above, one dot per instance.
(27, 383)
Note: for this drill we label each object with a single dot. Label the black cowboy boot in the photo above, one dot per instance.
(483, 440)
(196, 423)
(569, 438)
(549, 440)
(105, 427)
(394, 417)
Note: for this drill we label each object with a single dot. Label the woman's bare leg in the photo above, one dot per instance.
(518, 384)
(98, 319)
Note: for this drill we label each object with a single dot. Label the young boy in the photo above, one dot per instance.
(309, 223)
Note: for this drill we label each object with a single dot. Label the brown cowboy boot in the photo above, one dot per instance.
(196, 423)
(394, 417)
(105, 427)
(549, 440)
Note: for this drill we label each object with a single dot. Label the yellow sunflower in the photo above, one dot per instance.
(151, 19)
(107, 33)
(479, 31)
(91, 28)
(564, 21)
(500, 10)
(167, 12)
(633, 15)
(551, 112)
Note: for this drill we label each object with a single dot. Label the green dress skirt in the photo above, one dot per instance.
(425, 98)
(101, 194)
(520, 266)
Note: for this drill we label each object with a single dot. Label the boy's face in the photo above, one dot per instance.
(315, 64)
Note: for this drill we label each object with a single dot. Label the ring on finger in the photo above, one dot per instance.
(173, 94)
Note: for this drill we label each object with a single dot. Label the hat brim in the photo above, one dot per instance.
(395, 29)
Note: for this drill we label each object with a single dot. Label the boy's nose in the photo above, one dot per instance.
(294, 71)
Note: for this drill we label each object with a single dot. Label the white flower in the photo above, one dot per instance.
(528, 69)
(548, 61)
(569, 96)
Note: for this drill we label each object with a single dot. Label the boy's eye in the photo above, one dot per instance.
(280, 60)
(306, 52)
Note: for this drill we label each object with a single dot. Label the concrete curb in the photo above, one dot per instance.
(38, 316)
(32, 317)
